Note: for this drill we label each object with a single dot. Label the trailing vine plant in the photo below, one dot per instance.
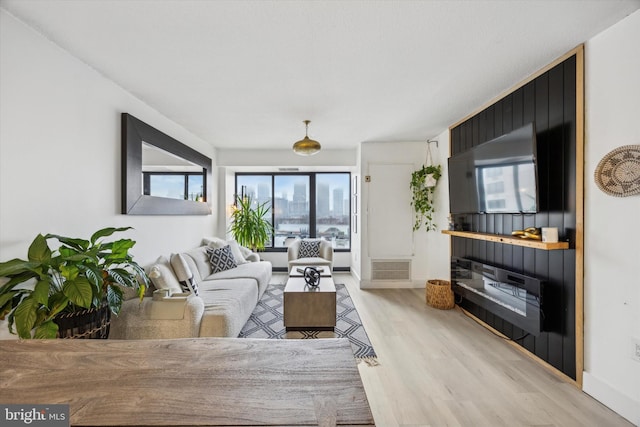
(422, 195)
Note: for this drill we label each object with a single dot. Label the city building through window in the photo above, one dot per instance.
(302, 205)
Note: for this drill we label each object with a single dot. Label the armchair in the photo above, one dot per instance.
(324, 256)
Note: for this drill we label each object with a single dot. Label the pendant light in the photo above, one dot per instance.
(306, 146)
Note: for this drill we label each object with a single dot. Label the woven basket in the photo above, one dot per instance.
(439, 294)
(90, 324)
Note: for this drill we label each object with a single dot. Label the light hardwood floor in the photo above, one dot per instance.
(440, 368)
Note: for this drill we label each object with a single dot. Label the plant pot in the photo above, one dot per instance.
(91, 323)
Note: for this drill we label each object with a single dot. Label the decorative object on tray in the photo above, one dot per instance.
(550, 234)
(311, 277)
(532, 233)
(423, 185)
(80, 279)
(439, 294)
(266, 321)
(618, 173)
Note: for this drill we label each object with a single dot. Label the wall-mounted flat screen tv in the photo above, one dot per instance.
(463, 194)
(498, 176)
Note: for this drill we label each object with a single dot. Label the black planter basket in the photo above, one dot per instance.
(92, 323)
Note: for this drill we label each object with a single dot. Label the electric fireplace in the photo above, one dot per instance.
(511, 296)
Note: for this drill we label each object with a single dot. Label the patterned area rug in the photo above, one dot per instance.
(266, 322)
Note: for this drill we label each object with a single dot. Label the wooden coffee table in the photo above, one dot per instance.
(309, 308)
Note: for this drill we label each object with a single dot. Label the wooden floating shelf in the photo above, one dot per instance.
(509, 240)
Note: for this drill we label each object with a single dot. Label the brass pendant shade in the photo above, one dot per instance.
(306, 146)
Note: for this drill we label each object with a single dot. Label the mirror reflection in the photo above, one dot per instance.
(167, 175)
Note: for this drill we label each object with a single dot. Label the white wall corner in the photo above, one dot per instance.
(612, 398)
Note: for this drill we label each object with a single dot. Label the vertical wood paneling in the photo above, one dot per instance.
(518, 109)
(468, 138)
(553, 216)
(455, 141)
(550, 101)
(497, 120)
(482, 127)
(507, 114)
(490, 128)
(475, 131)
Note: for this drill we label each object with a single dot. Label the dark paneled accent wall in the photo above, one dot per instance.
(550, 101)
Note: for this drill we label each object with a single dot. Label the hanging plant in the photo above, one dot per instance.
(423, 186)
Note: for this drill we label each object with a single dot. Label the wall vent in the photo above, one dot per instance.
(396, 269)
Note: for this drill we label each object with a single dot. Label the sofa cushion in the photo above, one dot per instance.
(309, 249)
(227, 306)
(198, 261)
(237, 253)
(184, 274)
(221, 259)
(162, 276)
(260, 272)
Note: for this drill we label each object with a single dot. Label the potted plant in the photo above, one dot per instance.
(78, 279)
(423, 185)
(250, 226)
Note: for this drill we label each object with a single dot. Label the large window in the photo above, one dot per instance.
(303, 205)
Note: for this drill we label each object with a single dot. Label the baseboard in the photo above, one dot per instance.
(356, 277)
(612, 398)
(390, 284)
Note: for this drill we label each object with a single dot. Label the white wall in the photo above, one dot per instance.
(60, 152)
(612, 232)
(428, 251)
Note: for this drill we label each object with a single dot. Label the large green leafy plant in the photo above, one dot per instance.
(250, 225)
(422, 195)
(79, 274)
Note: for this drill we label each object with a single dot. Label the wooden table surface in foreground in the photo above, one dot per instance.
(202, 381)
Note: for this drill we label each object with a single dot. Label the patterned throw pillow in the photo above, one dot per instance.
(183, 273)
(221, 259)
(309, 249)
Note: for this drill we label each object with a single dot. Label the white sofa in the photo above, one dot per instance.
(223, 305)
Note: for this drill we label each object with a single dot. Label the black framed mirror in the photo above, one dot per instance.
(161, 175)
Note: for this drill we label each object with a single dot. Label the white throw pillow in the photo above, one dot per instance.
(246, 253)
(237, 252)
(184, 274)
(162, 276)
(214, 242)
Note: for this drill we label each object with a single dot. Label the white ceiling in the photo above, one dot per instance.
(244, 74)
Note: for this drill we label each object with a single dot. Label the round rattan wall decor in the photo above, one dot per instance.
(618, 173)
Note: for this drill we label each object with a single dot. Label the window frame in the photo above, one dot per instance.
(312, 201)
